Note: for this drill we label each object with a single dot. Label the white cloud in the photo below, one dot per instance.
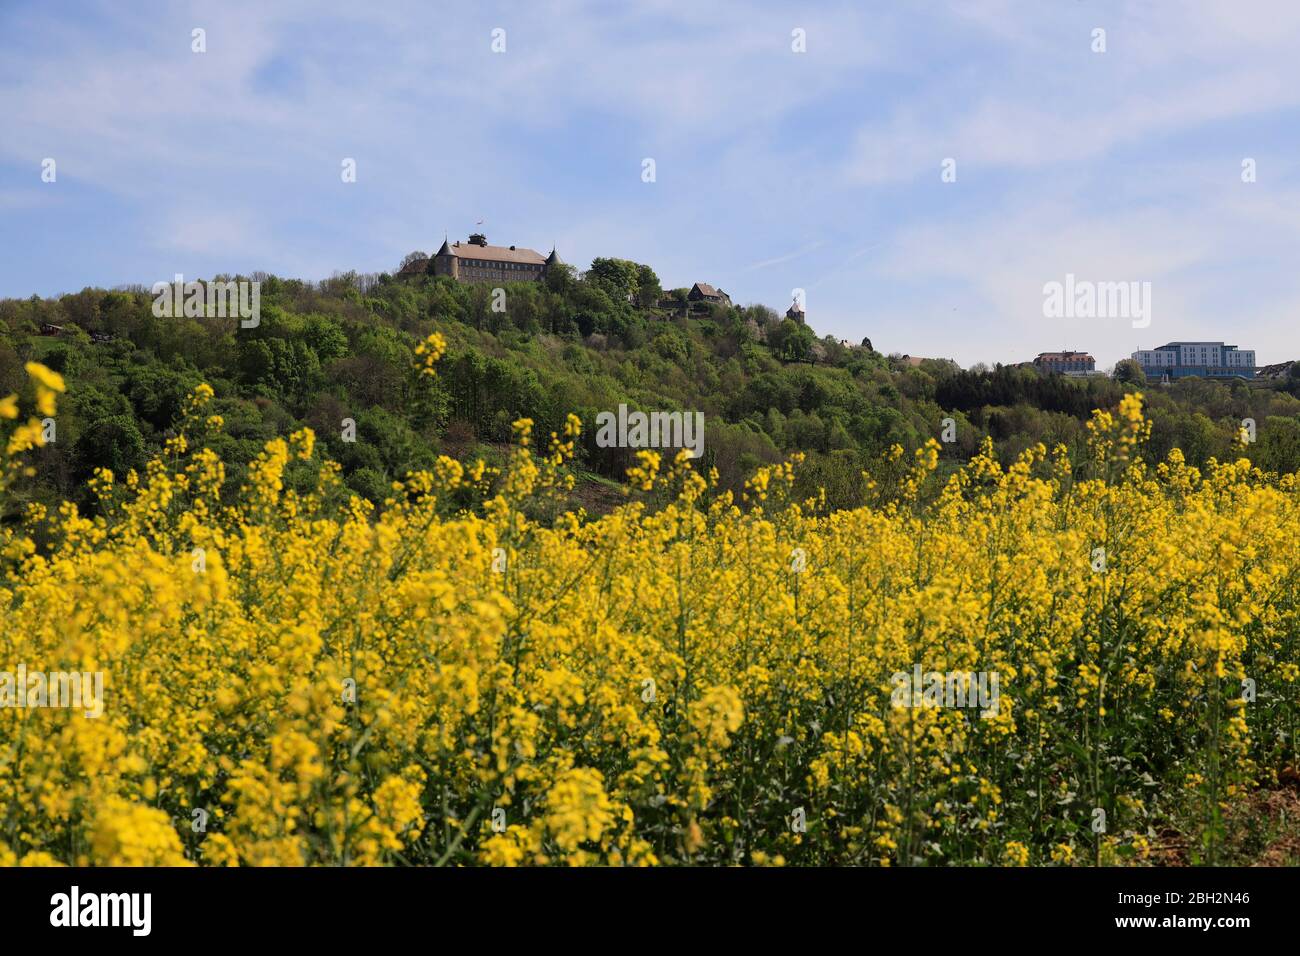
(1047, 99)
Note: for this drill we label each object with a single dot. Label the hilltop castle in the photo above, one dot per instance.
(476, 261)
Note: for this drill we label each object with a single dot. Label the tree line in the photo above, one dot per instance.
(584, 342)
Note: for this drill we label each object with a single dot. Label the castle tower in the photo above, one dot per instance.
(445, 262)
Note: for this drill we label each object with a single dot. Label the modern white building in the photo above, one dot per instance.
(1206, 359)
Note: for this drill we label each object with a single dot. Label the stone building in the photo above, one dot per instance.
(1065, 363)
(476, 261)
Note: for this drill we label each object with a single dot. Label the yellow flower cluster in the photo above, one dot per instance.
(46, 386)
(418, 684)
(430, 350)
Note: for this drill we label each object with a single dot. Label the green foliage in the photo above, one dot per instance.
(343, 350)
(1129, 372)
(1279, 444)
(114, 443)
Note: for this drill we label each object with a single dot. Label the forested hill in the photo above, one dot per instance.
(767, 385)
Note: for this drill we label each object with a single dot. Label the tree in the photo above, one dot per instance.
(410, 257)
(255, 361)
(617, 276)
(1279, 445)
(325, 337)
(672, 345)
(792, 341)
(113, 443)
(560, 278)
(1129, 372)
(648, 290)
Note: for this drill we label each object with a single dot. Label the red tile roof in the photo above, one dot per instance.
(496, 254)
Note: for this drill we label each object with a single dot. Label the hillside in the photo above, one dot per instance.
(343, 349)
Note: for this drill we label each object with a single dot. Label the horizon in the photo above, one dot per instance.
(146, 287)
(775, 170)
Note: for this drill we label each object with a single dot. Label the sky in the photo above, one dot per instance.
(794, 146)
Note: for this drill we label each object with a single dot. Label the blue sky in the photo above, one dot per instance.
(775, 170)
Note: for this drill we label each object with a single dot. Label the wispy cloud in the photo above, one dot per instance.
(788, 257)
